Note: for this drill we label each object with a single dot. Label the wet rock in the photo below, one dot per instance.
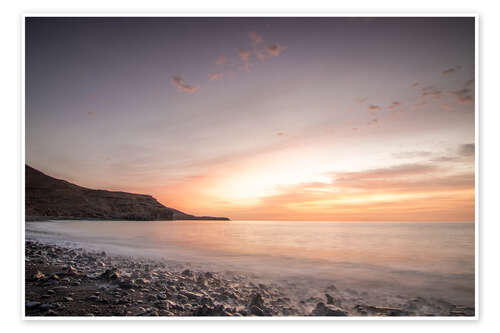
(327, 310)
(70, 270)
(142, 281)
(255, 310)
(192, 296)
(187, 273)
(67, 299)
(32, 304)
(332, 301)
(256, 300)
(110, 274)
(45, 306)
(380, 311)
(165, 313)
(38, 275)
(127, 284)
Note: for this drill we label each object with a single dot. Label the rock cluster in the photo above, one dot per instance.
(64, 281)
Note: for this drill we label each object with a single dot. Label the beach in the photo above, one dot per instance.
(68, 278)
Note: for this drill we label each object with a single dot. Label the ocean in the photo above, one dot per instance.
(382, 262)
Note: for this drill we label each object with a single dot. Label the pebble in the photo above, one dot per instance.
(129, 287)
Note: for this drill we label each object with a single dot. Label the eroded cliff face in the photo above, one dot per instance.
(48, 197)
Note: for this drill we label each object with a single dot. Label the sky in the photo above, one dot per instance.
(288, 118)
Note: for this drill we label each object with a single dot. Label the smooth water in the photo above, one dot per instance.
(387, 259)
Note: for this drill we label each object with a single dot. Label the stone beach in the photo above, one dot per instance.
(63, 281)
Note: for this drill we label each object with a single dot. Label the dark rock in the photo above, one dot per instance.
(256, 300)
(38, 275)
(380, 311)
(255, 310)
(332, 301)
(32, 304)
(187, 272)
(327, 310)
(127, 284)
(110, 274)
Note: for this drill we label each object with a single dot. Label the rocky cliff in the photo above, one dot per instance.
(48, 197)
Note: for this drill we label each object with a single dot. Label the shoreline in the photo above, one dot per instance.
(63, 281)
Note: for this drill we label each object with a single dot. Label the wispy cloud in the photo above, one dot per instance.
(373, 107)
(257, 39)
(469, 83)
(361, 100)
(394, 105)
(221, 60)
(431, 92)
(419, 104)
(408, 169)
(414, 84)
(178, 81)
(275, 49)
(245, 59)
(215, 76)
(451, 70)
(411, 154)
(467, 149)
(447, 107)
(463, 96)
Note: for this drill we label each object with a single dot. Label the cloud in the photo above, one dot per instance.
(361, 100)
(463, 96)
(280, 134)
(446, 107)
(91, 113)
(451, 70)
(255, 38)
(178, 81)
(394, 105)
(215, 76)
(401, 170)
(245, 58)
(431, 92)
(412, 154)
(374, 108)
(469, 83)
(414, 84)
(466, 150)
(221, 60)
(373, 122)
(419, 104)
(445, 159)
(275, 49)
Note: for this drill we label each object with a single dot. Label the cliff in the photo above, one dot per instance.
(48, 197)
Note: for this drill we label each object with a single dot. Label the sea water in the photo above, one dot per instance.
(382, 261)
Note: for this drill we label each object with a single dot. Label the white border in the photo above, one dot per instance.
(267, 13)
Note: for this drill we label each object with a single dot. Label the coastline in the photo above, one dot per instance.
(64, 281)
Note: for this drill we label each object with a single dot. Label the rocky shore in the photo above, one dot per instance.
(62, 281)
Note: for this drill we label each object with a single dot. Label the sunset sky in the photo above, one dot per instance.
(343, 119)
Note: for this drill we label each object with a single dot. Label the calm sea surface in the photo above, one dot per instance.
(380, 259)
